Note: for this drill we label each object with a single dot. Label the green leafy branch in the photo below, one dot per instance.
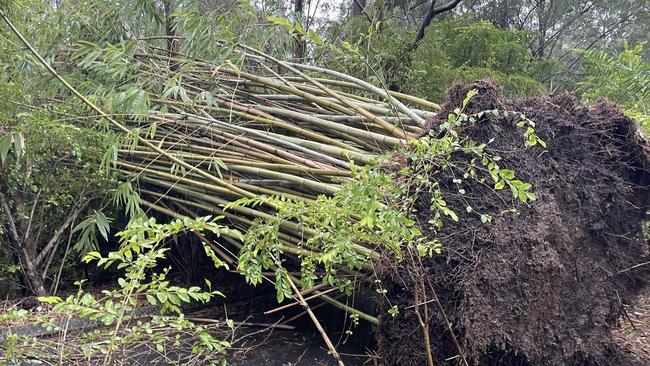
(139, 255)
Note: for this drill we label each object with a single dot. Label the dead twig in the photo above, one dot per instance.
(633, 267)
(319, 327)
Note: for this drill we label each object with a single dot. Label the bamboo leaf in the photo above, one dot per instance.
(5, 147)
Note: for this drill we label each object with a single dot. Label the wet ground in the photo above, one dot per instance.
(292, 349)
(253, 346)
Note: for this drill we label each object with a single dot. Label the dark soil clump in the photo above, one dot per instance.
(542, 286)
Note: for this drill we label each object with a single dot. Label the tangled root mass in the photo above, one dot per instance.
(542, 286)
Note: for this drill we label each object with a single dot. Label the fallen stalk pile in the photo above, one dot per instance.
(263, 133)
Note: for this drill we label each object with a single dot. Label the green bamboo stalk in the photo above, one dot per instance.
(290, 240)
(251, 152)
(209, 120)
(284, 247)
(258, 115)
(274, 192)
(360, 110)
(230, 162)
(365, 85)
(405, 97)
(347, 130)
(257, 144)
(172, 177)
(363, 159)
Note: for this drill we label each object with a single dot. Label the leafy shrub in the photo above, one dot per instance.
(622, 78)
(143, 288)
(49, 176)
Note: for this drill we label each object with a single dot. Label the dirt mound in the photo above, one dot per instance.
(542, 286)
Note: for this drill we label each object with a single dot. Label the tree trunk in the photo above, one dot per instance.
(542, 28)
(298, 43)
(28, 246)
(358, 6)
(170, 32)
(24, 244)
(502, 16)
(33, 276)
(425, 23)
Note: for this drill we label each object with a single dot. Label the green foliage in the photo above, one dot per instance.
(53, 159)
(460, 49)
(140, 251)
(342, 227)
(142, 248)
(463, 49)
(369, 51)
(53, 169)
(480, 44)
(93, 224)
(433, 154)
(622, 78)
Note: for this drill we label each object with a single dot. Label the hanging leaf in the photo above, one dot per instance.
(5, 146)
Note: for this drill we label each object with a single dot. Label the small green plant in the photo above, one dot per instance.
(14, 315)
(145, 290)
(433, 154)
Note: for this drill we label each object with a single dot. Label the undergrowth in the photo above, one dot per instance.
(145, 310)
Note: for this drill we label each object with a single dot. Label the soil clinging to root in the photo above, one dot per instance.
(544, 286)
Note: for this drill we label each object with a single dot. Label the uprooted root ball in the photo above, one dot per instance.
(543, 285)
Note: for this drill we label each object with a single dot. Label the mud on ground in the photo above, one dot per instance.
(546, 285)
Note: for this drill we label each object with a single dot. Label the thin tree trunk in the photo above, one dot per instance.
(298, 43)
(32, 274)
(542, 28)
(170, 32)
(358, 6)
(25, 247)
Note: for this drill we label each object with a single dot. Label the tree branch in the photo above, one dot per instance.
(57, 234)
(601, 36)
(10, 219)
(31, 216)
(564, 27)
(433, 11)
(448, 6)
(522, 23)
